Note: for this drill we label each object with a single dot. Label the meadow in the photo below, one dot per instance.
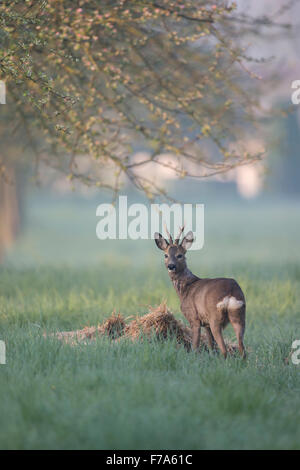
(147, 395)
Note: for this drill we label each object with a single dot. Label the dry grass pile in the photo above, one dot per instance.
(159, 323)
(113, 327)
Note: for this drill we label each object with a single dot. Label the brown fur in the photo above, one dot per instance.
(208, 303)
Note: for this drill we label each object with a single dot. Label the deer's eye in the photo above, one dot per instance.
(179, 256)
(166, 255)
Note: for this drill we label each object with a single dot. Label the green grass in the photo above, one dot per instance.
(149, 395)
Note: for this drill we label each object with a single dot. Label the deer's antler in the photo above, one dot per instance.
(168, 233)
(177, 239)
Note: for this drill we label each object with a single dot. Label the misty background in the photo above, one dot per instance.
(250, 212)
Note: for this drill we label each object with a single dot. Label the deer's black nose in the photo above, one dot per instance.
(171, 267)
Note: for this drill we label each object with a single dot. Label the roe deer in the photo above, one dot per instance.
(211, 303)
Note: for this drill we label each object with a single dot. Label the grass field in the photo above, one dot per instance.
(147, 396)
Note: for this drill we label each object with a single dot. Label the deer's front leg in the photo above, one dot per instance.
(196, 332)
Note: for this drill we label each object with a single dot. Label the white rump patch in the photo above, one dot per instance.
(230, 302)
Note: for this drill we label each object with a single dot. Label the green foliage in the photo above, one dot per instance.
(90, 78)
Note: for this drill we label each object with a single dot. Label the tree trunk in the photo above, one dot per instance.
(9, 210)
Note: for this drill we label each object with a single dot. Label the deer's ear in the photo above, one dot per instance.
(161, 243)
(187, 240)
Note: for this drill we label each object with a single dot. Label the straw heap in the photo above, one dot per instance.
(159, 323)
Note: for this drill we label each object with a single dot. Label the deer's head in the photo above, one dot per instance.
(174, 250)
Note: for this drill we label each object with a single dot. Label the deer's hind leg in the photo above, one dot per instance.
(216, 329)
(237, 319)
(210, 339)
